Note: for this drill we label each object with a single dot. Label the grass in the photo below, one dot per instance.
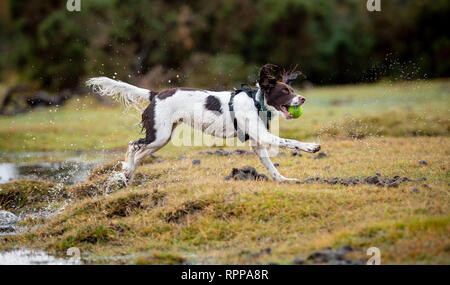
(178, 212)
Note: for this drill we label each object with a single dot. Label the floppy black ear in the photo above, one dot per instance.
(266, 79)
(288, 78)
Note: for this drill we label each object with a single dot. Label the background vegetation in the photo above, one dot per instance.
(220, 43)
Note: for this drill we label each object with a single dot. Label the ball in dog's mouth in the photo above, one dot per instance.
(291, 111)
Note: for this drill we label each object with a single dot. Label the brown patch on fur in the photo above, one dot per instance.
(280, 94)
(169, 92)
(266, 79)
(148, 123)
(152, 95)
(166, 93)
(189, 89)
(213, 104)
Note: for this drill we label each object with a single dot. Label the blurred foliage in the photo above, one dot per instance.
(220, 43)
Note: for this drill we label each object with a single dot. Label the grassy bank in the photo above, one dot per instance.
(190, 212)
(180, 212)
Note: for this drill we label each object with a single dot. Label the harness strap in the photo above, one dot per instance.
(242, 136)
(261, 109)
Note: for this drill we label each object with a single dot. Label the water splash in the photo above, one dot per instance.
(116, 180)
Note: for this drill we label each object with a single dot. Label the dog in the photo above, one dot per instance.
(222, 114)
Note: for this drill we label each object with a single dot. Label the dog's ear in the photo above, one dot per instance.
(266, 79)
(289, 77)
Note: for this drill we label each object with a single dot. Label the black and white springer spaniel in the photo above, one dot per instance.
(209, 111)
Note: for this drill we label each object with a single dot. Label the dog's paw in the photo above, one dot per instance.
(312, 147)
(285, 179)
(128, 176)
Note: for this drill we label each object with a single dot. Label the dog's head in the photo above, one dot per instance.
(279, 93)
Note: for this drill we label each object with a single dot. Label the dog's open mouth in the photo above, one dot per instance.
(284, 109)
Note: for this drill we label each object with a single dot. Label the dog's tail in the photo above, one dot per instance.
(127, 94)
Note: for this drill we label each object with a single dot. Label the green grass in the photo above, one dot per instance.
(178, 212)
(401, 109)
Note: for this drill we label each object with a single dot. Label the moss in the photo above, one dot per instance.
(86, 189)
(30, 195)
(92, 234)
(186, 208)
(125, 206)
(160, 258)
(158, 197)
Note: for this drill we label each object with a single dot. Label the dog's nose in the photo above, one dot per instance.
(302, 99)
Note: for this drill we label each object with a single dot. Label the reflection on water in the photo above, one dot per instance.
(57, 167)
(67, 172)
(8, 172)
(29, 257)
(64, 172)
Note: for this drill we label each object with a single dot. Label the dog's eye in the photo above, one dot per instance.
(285, 91)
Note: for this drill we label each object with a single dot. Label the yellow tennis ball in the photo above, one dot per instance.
(295, 111)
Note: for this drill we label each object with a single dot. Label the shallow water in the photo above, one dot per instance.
(30, 257)
(58, 167)
(63, 168)
(67, 172)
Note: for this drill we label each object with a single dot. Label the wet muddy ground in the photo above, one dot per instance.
(250, 173)
(376, 179)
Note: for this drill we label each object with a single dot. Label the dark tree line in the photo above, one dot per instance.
(207, 43)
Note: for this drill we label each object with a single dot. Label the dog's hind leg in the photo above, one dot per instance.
(261, 151)
(139, 149)
(128, 165)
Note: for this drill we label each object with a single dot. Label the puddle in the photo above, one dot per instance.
(30, 257)
(8, 172)
(61, 168)
(66, 172)
(50, 166)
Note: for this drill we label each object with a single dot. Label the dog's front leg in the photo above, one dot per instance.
(267, 138)
(263, 137)
(261, 151)
(258, 132)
